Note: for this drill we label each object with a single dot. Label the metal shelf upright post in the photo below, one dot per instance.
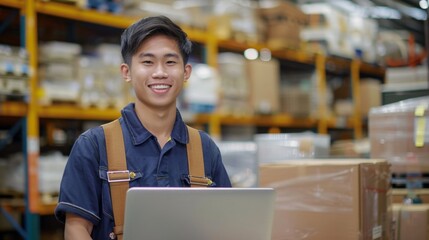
(4, 210)
(322, 125)
(32, 221)
(357, 115)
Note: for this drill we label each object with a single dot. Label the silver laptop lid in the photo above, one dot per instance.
(199, 213)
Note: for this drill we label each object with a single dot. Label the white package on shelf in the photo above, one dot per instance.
(202, 89)
(51, 168)
(58, 90)
(272, 148)
(56, 50)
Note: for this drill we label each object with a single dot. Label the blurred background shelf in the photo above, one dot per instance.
(18, 204)
(13, 109)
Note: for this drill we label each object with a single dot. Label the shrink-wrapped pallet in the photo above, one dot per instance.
(399, 133)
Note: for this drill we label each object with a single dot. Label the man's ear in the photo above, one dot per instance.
(125, 72)
(188, 71)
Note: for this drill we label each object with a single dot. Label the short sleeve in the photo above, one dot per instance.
(80, 189)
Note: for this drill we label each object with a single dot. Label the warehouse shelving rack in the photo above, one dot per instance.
(32, 111)
(23, 111)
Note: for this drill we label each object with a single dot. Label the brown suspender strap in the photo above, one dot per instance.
(117, 174)
(197, 176)
(119, 177)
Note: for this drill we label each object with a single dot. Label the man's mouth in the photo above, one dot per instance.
(159, 86)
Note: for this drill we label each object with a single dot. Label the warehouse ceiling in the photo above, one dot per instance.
(391, 14)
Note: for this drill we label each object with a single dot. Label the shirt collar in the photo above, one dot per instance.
(140, 134)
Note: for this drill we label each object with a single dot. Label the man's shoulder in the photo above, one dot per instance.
(94, 133)
(207, 141)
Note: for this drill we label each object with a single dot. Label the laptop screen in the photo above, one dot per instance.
(199, 213)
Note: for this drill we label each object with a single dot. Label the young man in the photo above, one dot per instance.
(155, 53)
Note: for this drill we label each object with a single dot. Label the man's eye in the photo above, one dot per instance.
(147, 62)
(171, 62)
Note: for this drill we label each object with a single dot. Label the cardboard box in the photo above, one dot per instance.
(283, 24)
(370, 95)
(394, 131)
(330, 199)
(283, 11)
(357, 148)
(411, 221)
(284, 35)
(264, 79)
(295, 101)
(234, 88)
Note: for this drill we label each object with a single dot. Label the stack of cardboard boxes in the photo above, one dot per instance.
(330, 199)
(411, 222)
(399, 133)
(264, 82)
(283, 23)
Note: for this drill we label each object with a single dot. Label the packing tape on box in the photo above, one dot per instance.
(420, 125)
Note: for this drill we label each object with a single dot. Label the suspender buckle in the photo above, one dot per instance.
(201, 181)
(118, 176)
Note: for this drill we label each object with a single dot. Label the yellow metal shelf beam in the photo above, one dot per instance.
(12, 3)
(13, 109)
(285, 54)
(282, 120)
(83, 15)
(101, 18)
(72, 112)
(340, 122)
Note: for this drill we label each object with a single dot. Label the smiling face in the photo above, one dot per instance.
(157, 73)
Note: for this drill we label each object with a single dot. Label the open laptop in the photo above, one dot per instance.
(199, 213)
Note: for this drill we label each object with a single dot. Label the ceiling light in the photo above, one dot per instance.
(265, 54)
(251, 54)
(424, 4)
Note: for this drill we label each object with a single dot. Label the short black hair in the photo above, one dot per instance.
(134, 35)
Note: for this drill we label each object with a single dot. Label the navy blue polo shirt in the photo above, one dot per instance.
(84, 187)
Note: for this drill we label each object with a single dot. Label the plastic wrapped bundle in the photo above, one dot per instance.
(280, 147)
(202, 89)
(399, 133)
(51, 168)
(239, 158)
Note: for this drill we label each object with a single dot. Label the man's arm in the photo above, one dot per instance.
(77, 228)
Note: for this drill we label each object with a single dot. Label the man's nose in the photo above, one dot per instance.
(160, 72)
